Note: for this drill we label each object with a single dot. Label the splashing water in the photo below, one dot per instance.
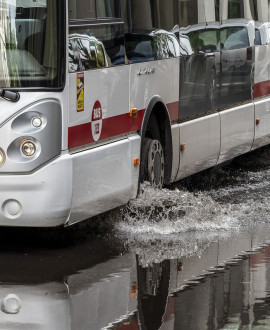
(166, 212)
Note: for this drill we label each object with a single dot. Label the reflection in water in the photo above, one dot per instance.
(113, 289)
(186, 279)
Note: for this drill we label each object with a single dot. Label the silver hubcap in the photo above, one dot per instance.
(156, 164)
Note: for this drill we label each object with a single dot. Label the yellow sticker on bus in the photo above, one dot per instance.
(80, 92)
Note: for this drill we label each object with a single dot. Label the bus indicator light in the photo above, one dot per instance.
(136, 161)
(183, 146)
(133, 113)
(258, 120)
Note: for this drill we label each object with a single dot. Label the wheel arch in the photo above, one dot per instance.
(158, 110)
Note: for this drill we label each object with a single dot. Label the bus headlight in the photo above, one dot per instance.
(2, 157)
(28, 148)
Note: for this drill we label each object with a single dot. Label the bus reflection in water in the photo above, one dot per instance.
(130, 91)
(111, 289)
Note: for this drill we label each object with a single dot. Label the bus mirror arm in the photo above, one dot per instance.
(9, 95)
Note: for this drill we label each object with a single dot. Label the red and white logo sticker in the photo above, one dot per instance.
(96, 124)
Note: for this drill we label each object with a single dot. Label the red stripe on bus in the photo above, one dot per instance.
(173, 109)
(262, 89)
(82, 134)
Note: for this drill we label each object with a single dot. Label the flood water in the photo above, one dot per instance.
(195, 255)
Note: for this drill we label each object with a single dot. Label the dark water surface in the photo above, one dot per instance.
(193, 256)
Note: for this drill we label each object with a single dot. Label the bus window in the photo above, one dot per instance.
(236, 9)
(96, 47)
(234, 38)
(29, 45)
(89, 9)
(81, 9)
(204, 40)
(108, 8)
(258, 39)
(155, 45)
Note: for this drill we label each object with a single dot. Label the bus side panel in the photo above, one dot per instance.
(237, 131)
(201, 138)
(262, 130)
(176, 151)
(163, 82)
(104, 178)
(261, 71)
(262, 89)
(109, 86)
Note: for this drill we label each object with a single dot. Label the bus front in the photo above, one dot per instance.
(35, 172)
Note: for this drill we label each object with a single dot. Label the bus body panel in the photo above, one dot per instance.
(176, 151)
(40, 199)
(261, 90)
(147, 80)
(109, 86)
(237, 131)
(261, 72)
(201, 150)
(104, 178)
(262, 129)
(94, 170)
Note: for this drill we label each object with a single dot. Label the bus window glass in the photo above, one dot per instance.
(96, 47)
(200, 58)
(108, 8)
(89, 9)
(155, 45)
(258, 40)
(29, 45)
(205, 40)
(236, 9)
(82, 9)
(234, 38)
(185, 46)
(188, 13)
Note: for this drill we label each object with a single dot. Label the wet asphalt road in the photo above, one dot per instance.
(192, 256)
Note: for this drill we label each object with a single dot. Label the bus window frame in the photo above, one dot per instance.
(80, 23)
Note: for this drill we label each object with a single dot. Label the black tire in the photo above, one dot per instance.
(152, 163)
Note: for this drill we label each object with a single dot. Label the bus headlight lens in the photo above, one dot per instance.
(29, 148)
(2, 157)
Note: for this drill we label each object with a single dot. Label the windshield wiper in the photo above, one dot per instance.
(9, 95)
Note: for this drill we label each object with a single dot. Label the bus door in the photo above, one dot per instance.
(236, 106)
(199, 87)
(99, 107)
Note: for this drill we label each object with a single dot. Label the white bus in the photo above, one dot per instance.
(100, 95)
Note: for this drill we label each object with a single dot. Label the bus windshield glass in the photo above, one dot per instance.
(29, 49)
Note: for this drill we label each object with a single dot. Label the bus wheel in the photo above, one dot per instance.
(152, 166)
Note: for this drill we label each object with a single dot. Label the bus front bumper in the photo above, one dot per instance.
(40, 199)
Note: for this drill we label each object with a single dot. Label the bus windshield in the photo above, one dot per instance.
(29, 49)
